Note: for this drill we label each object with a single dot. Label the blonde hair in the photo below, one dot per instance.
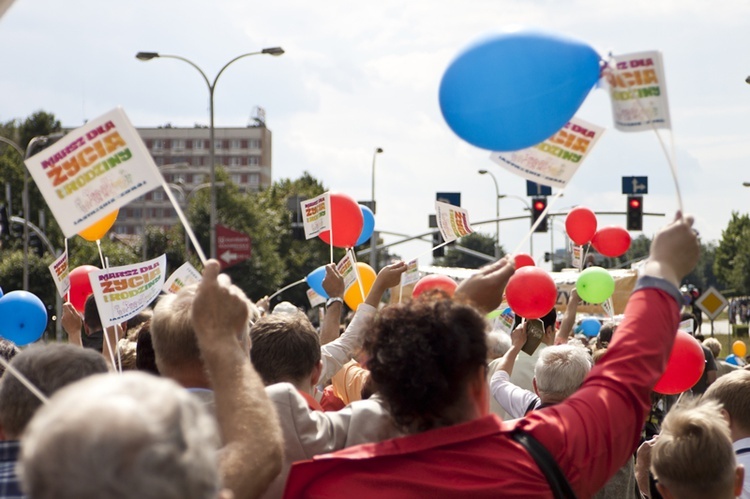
(713, 345)
(732, 391)
(693, 456)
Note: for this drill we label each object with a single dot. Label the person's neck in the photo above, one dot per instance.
(189, 378)
(738, 433)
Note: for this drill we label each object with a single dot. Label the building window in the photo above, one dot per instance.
(137, 213)
(198, 178)
(254, 144)
(254, 179)
(158, 145)
(217, 144)
(253, 160)
(159, 161)
(236, 178)
(235, 161)
(158, 195)
(198, 144)
(178, 144)
(235, 144)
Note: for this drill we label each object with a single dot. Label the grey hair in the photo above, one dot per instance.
(49, 368)
(498, 344)
(121, 436)
(560, 371)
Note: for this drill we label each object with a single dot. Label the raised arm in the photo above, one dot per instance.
(333, 284)
(339, 352)
(596, 430)
(253, 448)
(72, 323)
(514, 399)
(484, 290)
(569, 319)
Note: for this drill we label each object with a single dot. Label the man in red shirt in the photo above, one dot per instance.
(428, 361)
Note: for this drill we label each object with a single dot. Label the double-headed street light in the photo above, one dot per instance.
(147, 56)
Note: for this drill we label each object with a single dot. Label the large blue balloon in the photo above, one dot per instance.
(368, 226)
(590, 326)
(23, 317)
(315, 281)
(513, 90)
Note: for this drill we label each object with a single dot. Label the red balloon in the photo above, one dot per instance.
(80, 286)
(685, 366)
(611, 241)
(346, 221)
(523, 260)
(434, 281)
(580, 224)
(531, 292)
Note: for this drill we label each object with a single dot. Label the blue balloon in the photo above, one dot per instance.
(515, 89)
(590, 326)
(315, 281)
(23, 317)
(367, 227)
(732, 359)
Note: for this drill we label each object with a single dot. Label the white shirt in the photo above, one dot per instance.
(514, 399)
(742, 451)
(523, 373)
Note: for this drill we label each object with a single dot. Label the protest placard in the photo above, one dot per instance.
(347, 271)
(316, 215)
(452, 221)
(315, 299)
(554, 161)
(122, 292)
(638, 92)
(183, 276)
(61, 273)
(93, 171)
(411, 274)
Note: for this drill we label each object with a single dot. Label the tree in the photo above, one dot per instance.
(732, 261)
(475, 241)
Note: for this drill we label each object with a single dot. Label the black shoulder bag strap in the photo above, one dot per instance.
(561, 489)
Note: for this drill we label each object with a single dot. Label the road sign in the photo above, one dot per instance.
(635, 185)
(232, 247)
(453, 198)
(712, 303)
(535, 190)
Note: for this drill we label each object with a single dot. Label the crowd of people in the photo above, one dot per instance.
(211, 395)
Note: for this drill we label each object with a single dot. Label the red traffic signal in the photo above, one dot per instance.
(538, 205)
(634, 203)
(635, 213)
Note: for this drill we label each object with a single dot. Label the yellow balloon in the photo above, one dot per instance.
(99, 229)
(739, 349)
(353, 296)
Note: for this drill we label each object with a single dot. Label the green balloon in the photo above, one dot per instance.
(595, 285)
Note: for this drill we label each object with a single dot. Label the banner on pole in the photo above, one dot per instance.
(346, 269)
(93, 171)
(61, 274)
(182, 277)
(452, 221)
(316, 215)
(554, 161)
(638, 91)
(122, 292)
(411, 274)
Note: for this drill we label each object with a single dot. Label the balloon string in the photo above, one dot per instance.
(184, 221)
(24, 380)
(67, 257)
(285, 288)
(538, 221)
(433, 249)
(101, 255)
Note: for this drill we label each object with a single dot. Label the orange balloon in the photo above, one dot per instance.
(99, 229)
(739, 349)
(353, 296)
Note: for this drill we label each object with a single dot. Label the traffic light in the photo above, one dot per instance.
(437, 239)
(36, 244)
(4, 221)
(538, 205)
(635, 213)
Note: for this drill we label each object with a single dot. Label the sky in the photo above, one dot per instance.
(357, 76)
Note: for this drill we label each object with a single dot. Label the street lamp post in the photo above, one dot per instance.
(147, 56)
(374, 237)
(498, 197)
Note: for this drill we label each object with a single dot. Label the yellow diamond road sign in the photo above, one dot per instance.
(712, 303)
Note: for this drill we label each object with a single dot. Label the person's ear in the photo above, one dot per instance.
(225, 494)
(533, 383)
(739, 480)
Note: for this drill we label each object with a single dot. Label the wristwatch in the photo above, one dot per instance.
(333, 300)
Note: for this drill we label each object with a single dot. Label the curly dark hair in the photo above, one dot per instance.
(421, 356)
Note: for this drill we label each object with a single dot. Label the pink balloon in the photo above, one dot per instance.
(685, 366)
(346, 221)
(80, 286)
(523, 260)
(580, 224)
(434, 281)
(611, 241)
(531, 292)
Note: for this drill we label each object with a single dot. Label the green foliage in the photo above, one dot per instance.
(475, 241)
(732, 262)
